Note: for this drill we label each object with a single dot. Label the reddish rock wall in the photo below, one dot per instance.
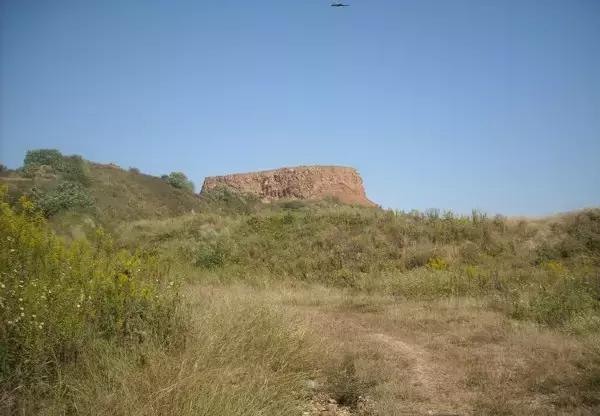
(303, 182)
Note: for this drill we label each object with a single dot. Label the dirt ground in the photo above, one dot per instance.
(445, 357)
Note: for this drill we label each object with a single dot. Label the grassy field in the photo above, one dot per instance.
(437, 314)
(123, 295)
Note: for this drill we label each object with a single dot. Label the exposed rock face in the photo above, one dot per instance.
(303, 182)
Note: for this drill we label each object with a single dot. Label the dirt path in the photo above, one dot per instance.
(422, 370)
(414, 381)
(435, 358)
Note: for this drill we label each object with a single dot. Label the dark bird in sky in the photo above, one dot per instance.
(339, 5)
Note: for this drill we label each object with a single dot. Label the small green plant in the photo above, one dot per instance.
(437, 263)
(211, 256)
(555, 267)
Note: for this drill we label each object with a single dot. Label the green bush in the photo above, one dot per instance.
(48, 157)
(557, 303)
(66, 195)
(579, 235)
(72, 168)
(180, 181)
(75, 169)
(211, 256)
(58, 298)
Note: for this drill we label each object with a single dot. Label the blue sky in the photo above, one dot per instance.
(452, 104)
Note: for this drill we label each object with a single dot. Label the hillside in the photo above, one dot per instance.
(102, 193)
(130, 195)
(117, 195)
(224, 304)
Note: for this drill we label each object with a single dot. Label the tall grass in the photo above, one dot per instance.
(58, 299)
(522, 267)
(90, 329)
(241, 358)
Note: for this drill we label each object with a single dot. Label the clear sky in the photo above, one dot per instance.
(454, 104)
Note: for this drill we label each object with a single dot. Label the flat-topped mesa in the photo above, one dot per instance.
(302, 182)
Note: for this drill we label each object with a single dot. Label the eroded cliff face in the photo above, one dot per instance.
(303, 182)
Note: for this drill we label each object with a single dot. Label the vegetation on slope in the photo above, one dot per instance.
(103, 331)
(72, 192)
(58, 299)
(546, 271)
(87, 328)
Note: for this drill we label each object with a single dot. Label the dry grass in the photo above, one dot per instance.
(243, 357)
(447, 357)
(253, 351)
(425, 313)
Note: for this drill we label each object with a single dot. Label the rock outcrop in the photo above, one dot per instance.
(303, 182)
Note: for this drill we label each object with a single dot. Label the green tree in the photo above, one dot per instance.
(179, 180)
(65, 196)
(72, 168)
(38, 157)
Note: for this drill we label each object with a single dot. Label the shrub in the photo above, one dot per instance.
(179, 180)
(437, 263)
(73, 168)
(66, 195)
(49, 157)
(212, 256)
(418, 256)
(56, 298)
(556, 302)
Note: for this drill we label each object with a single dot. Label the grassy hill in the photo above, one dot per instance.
(101, 194)
(229, 306)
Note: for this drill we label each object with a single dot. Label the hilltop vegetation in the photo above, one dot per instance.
(220, 304)
(71, 191)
